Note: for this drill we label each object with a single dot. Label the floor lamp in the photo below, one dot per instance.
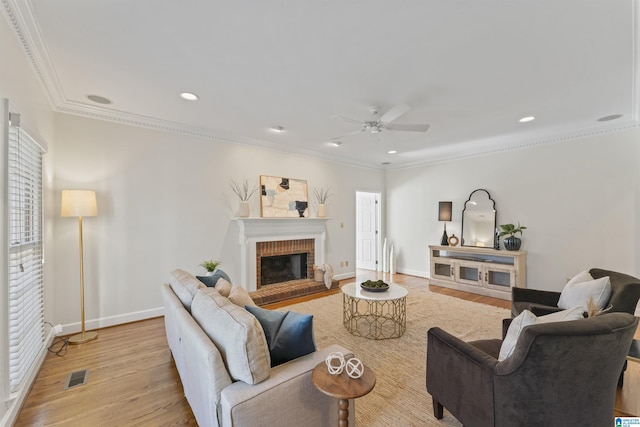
(80, 203)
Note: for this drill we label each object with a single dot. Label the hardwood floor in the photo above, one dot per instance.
(133, 381)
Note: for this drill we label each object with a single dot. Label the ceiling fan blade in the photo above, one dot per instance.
(394, 113)
(407, 127)
(347, 134)
(348, 119)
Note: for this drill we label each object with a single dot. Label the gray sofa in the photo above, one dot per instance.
(560, 374)
(214, 342)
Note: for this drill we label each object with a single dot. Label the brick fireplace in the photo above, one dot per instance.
(257, 235)
(284, 248)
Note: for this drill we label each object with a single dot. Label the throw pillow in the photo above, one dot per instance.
(212, 279)
(289, 335)
(577, 294)
(574, 313)
(239, 296)
(223, 287)
(583, 276)
(185, 286)
(525, 318)
(236, 333)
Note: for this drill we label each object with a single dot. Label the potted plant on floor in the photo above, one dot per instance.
(511, 243)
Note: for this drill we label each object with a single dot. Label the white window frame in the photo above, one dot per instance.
(24, 226)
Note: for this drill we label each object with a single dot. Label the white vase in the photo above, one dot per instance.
(245, 210)
(322, 210)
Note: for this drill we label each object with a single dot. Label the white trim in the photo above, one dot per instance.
(410, 272)
(105, 322)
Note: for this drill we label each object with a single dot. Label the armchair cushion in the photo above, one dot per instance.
(525, 318)
(577, 294)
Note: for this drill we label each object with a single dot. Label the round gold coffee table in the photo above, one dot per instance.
(342, 387)
(374, 315)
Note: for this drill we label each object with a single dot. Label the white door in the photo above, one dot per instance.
(367, 226)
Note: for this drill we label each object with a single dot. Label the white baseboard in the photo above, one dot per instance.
(344, 276)
(416, 273)
(104, 322)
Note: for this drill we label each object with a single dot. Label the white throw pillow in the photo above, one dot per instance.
(578, 294)
(574, 313)
(525, 318)
(583, 276)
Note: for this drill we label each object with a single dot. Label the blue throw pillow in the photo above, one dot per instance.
(289, 335)
(211, 281)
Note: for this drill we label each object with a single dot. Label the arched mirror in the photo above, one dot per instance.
(479, 220)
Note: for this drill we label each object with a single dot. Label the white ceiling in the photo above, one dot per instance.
(468, 68)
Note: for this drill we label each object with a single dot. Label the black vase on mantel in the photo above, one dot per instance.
(512, 243)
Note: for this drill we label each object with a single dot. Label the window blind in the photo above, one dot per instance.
(25, 263)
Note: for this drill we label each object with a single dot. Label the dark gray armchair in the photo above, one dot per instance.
(560, 374)
(625, 293)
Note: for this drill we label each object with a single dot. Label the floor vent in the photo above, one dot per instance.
(76, 379)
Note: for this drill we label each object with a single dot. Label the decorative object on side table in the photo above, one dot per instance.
(321, 197)
(244, 193)
(453, 240)
(444, 214)
(210, 266)
(512, 243)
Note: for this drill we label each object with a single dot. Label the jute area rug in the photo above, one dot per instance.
(400, 396)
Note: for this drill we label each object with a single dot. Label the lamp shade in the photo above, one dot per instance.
(444, 211)
(79, 203)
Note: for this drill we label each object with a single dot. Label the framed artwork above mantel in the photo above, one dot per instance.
(283, 197)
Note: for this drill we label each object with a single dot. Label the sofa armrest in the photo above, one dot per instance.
(535, 296)
(460, 377)
(287, 395)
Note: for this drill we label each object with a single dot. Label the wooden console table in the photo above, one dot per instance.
(482, 271)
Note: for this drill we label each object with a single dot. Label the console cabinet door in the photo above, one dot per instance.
(499, 277)
(442, 268)
(469, 273)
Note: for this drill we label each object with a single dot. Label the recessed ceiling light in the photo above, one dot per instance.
(189, 96)
(392, 152)
(608, 118)
(277, 128)
(335, 143)
(99, 99)
(526, 119)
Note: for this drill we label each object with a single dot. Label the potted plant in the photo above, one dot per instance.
(511, 243)
(210, 265)
(321, 197)
(244, 193)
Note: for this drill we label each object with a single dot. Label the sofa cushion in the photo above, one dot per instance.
(577, 294)
(212, 279)
(237, 334)
(574, 313)
(184, 285)
(289, 334)
(239, 296)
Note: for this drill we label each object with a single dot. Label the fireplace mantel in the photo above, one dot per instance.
(253, 230)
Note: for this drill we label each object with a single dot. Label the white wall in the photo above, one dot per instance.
(580, 200)
(164, 202)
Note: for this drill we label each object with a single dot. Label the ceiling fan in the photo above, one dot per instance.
(384, 122)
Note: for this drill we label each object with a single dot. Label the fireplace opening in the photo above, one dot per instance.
(282, 268)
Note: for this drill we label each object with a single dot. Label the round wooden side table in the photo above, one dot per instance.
(342, 387)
